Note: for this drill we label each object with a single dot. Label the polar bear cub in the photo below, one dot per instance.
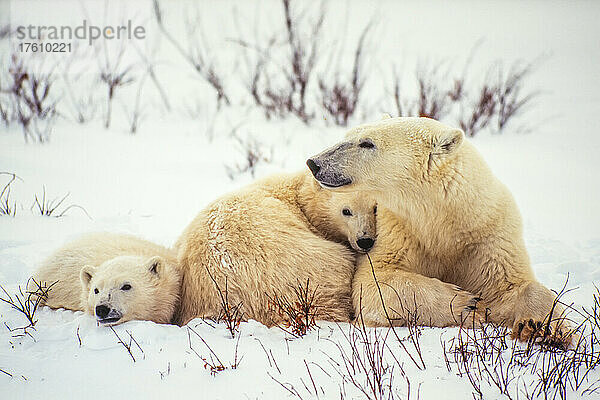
(262, 241)
(114, 277)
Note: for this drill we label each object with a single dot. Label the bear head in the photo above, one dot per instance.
(394, 154)
(355, 215)
(130, 287)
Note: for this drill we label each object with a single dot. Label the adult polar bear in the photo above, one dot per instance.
(452, 234)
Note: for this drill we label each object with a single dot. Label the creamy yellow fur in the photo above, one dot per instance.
(110, 261)
(452, 231)
(267, 238)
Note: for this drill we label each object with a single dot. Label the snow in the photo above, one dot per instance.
(153, 183)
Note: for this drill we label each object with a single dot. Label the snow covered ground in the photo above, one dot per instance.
(152, 184)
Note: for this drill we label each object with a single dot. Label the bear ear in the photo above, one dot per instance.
(86, 274)
(155, 265)
(447, 142)
(386, 116)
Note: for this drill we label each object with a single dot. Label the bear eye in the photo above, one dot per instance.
(366, 144)
(375, 210)
(126, 287)
(96, 291)
(347, 212)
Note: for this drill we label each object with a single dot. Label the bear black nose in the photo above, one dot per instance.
(314, 168)
(365, 243)
(102, 311)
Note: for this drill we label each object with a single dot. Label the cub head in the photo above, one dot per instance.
(130, 287)
(355, 216)
(391, 154)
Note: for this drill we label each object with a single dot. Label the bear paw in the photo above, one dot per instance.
(555, 335)
(465, 308)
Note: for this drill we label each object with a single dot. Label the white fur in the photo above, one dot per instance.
(452, 231)
(106, 262)
(267, 238)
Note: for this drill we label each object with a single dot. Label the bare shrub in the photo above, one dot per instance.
(254, 154)
(7, 206)
(213, 363)
(541, 368)
(136, 114)
(481, 113)
(6, 114)
(370, 356)
(256, 59)
(341, 98)
(282, 97)
(411, 320)
(299, 312)
(128, 346)
(33, 106)
(501, 100)
(496, 101)
(196, 54)
(113, 74)
(231, 314)
(512, 100)
(366, 367)
(492, 342)
(27, 303)
(53, 207)
(81, 102)
(255, 72)
(593, 315)
(302, 59)
(148, 57)
(458, 90)
(398, 94)
(165, 373)
(433, 100)
(5, 31)
(82, 105)
(371, 363)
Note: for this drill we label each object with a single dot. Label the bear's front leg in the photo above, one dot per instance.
(386, 294)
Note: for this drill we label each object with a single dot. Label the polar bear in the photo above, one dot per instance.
(259, 243)
(451, 236)
(114, 277)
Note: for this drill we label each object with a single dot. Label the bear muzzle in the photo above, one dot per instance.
(327, 177)
(312, 165)
(365, 243)
(107, 315)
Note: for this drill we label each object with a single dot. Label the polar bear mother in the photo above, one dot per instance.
(452, 232)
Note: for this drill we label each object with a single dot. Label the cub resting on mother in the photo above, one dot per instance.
(259, 243)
